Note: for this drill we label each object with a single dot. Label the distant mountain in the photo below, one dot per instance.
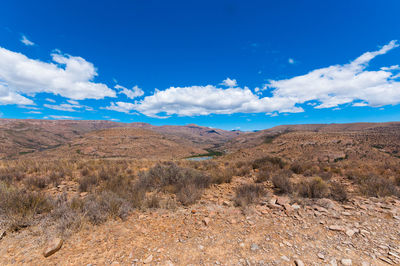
(124, 142)
(252, 139)
(20, 136)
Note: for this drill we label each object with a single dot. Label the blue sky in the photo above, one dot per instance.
(227, 64)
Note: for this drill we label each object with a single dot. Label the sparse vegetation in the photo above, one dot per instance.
(377, 186)
(248, 194)
(281, 181)
(314, 187)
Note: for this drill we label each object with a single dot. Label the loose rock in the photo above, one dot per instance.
(346, 262)
(148, 259)
(53, 246)
(298, 263)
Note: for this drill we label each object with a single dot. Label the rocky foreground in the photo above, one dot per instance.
(278, 231)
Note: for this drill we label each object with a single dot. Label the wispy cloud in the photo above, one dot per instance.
(61, 117)
(27, 42)
(131, 94)
(71, 106)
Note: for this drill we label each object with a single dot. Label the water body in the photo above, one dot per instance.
(202, 158)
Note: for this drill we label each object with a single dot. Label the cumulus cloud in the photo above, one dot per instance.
(67, 76)
(131, 94)
(229, 83)
(27, 42)
(204, 100)
(329, 87)
(341, 84)
(10, 97)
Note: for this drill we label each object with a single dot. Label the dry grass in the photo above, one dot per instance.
(281, 181)
(247, 194)
(314, 187)
(186, 183)
(20, 208)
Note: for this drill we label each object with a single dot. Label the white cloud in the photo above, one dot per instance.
(50, 100)
(10, 97)
(291, 61)
(131, 94)
(33, 112)
(68, 76)
(122, 107)
(63, 107)
(395, 67)
(204, 100)
(229, 83)
(329, 87)
(27, 42)
(341, 84)
(61, 117)
(360, 104)
(71, 106)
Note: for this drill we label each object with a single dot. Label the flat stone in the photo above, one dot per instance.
(346, 262)
(321, 256)
(285, 258)
(53, 246)
(336, 228)
(282, 201)
(148, 259)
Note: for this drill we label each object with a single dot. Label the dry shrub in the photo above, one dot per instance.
(186, 183)
(38, 182)
(85, 171)
(189, 194)
(153, 202)
(313, 188)
(377, 186)
(87, 182)
(247, 194)
(262, 162)
(20, 207)
(325, 175)
(224, 175)
(103, 174)
(127, 189)
(263, 176)
(67, 215)
(338, 192)
(281, 181)
(297, 168)
(6, 175)
(56, 177)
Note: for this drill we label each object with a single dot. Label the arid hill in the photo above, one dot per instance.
(124, 194)
(266, 136)
(134, 143)
(21, 136)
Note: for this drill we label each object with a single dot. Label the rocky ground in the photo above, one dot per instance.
(276, 231)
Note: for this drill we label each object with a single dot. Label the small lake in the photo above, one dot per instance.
(197, 159)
